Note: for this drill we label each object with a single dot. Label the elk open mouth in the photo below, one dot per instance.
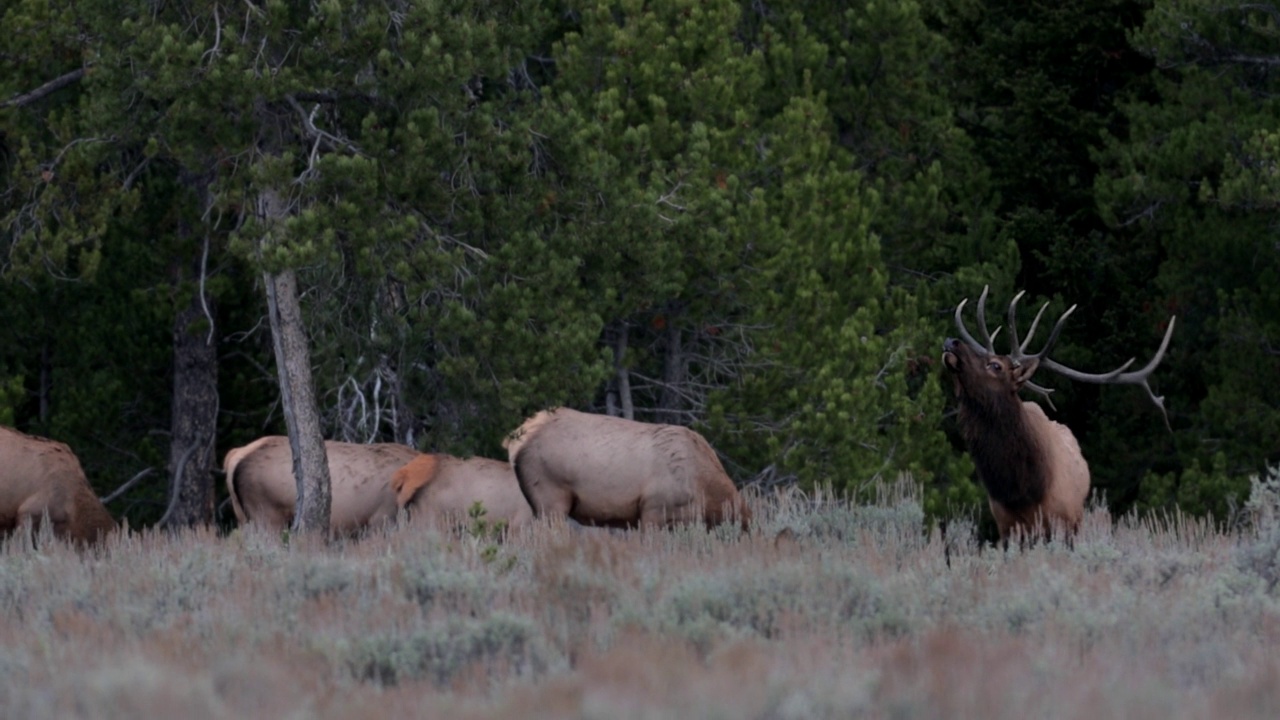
(949, 356)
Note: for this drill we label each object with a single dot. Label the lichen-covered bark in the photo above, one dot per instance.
(297, 395)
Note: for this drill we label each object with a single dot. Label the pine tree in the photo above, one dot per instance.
(1195, 176)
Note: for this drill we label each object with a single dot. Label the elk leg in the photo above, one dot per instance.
(550, 501)
(273, 518)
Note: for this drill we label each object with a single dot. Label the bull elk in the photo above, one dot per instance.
(441, 489)
(263, 490)
(40, 478)
(608, 471)
(1032, 468)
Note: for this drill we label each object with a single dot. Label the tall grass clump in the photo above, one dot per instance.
(1260, 554)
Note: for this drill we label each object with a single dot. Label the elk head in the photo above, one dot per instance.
(984, 378)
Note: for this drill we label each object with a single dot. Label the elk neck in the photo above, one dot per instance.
(1010, 458)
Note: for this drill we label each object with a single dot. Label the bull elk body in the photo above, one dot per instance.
(263, 490)
(1032, 468)
(441, 490)
(40, 477)
(608, 471)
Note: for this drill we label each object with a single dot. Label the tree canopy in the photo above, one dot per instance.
(754, 218)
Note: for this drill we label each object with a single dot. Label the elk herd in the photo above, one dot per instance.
(605, 471)
(633, 474)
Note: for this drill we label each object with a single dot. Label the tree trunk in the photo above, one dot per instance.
(297, 396)
(44, 382)
(673, 376)
(195, 416)
(618, 401)
(297, 393)
(402, 418)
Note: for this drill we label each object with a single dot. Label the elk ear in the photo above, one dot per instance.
(1022, 373)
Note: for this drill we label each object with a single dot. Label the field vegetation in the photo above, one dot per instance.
(824, 609)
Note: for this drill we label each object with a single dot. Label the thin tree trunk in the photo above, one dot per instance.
(401, 420)
(195, 417)
(297, 393)
(302, 417)
(622, 373)
(44, 382)
(673, 376)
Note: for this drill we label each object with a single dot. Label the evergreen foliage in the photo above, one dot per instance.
(1195, 179)
(751, 217)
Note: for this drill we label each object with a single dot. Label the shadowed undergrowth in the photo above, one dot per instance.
(858, 612)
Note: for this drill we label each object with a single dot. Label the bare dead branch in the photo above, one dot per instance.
(175, 488)
(204, 299)
(1239, 59)
(1144, 214)
(667, 198)
(133, 174)
(44, 90)
(309, 125)
(78, 141)
(126, 486)
(212, 53)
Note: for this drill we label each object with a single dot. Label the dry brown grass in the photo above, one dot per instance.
(859, 613)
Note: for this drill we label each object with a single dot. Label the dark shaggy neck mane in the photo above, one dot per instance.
(1010, 460)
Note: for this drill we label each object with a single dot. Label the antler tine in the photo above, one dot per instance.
(1019, 348)
(1046, 362)
(1035, 323)
(988, 337)
(1013, 320)
(964, 331)
(1021, 356)
(1042, 391)
(982, 320)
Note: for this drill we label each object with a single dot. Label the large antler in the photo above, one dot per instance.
(1020, 356)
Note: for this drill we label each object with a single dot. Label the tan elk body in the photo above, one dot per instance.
(1035, 476)
(39, 476)
(441, 490)
(263, 490)
(608, 471)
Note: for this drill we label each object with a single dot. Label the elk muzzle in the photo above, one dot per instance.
(951, 350)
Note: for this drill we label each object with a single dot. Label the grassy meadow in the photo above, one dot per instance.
(859, 611)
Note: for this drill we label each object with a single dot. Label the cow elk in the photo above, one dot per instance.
(1034, 473)
(263, 490)
(612, 472)
(440, 490)
(40, 478)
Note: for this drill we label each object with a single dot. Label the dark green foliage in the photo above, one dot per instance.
(1194, 178)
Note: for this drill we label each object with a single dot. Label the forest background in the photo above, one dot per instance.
(751, 217)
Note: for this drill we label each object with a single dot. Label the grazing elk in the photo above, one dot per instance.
(442, 490)
(263, 490)
(608, 471)
(40, 477)
(1031, 466)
